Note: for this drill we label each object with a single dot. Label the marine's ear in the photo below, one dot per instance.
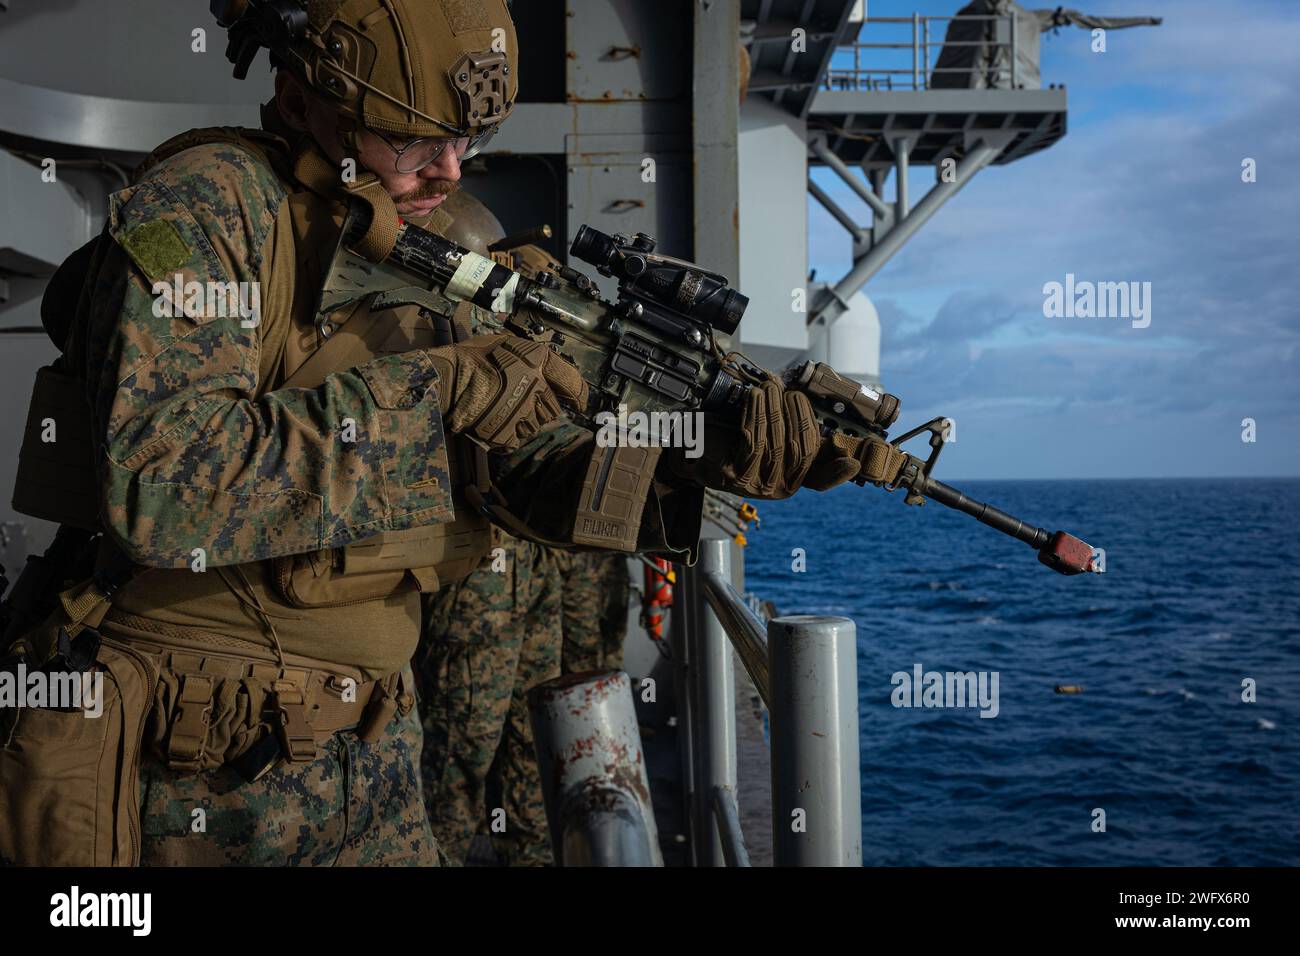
(291, 101)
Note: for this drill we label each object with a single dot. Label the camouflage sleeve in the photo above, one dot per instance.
(542, 480)
(193, 456)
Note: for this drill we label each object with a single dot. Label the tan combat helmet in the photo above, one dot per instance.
(404, 68)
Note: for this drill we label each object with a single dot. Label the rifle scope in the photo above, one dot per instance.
(683, 287)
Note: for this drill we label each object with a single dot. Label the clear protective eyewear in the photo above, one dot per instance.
(413, 156)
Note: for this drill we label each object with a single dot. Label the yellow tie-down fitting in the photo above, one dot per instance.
(732, 514)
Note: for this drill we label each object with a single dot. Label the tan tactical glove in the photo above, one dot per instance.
(500, 390)
(778, 449)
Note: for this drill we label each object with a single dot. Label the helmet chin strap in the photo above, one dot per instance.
(367, 190)
(346, 131)
(381, 232)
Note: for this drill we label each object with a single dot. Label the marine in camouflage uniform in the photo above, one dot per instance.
(529, 615)
(303, 490)
(214, 442)
(488, 640)
(198, 458)
(595, 609)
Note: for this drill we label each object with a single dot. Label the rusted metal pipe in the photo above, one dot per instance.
(594, 781)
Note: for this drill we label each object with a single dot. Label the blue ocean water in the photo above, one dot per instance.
(1201, 591)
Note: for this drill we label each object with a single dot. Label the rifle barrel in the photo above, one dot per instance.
(985, 513)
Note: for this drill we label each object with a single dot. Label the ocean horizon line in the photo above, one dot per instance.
(957, 481)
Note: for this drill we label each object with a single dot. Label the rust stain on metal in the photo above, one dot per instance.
(620, 768)
(628, 779)
(608, 97)
(554, 689)
(579, 691)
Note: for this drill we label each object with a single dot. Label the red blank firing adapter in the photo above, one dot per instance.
(1066, 554)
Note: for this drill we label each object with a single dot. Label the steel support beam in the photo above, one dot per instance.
(877, 205)
(715, 124)
(727, 814)
(679, 643)
(983, 153)
(859, 234)
(902, 147)
(748, 634)
(102, 122)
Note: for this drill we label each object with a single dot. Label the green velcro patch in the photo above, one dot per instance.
(463, 15)
(157, 248)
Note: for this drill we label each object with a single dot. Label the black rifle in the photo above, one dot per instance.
(655, 349)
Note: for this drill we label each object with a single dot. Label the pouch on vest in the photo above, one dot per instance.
(69, 782)
(56, 478)
(424, 558)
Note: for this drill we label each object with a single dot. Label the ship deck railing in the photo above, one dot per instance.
(804, 668)
(918, 74)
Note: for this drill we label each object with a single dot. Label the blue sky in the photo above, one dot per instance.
(1145, 187)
